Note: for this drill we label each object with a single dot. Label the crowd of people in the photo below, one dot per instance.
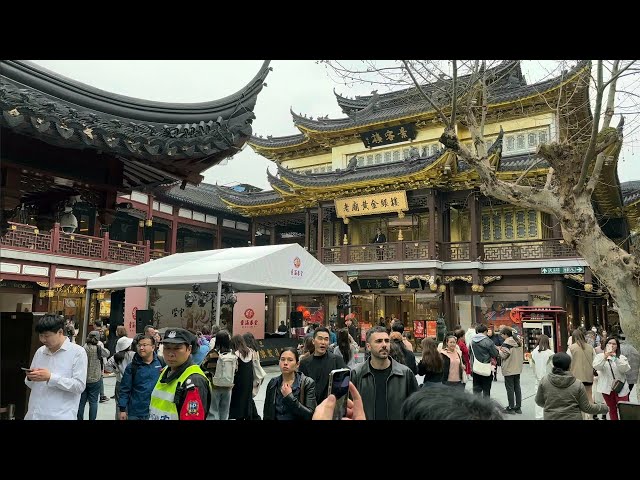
(214, 375)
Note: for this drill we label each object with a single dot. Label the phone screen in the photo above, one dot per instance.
(339, 386)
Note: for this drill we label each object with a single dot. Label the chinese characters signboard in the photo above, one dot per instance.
(248, 314)
(389, 135)
(135, 298)
(371, 204)
(418, 328)
(432, 330)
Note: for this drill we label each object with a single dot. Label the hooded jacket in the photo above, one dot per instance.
(512, 357)
(565, 398)
(482, 348)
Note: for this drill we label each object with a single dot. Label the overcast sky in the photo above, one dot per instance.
(303, 85)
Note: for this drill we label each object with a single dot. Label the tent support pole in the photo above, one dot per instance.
(85, 322)
(218, 301)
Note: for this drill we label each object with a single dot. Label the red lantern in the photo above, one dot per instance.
(306, 314)
(301, 309)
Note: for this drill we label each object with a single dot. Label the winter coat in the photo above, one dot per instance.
(465, 356)
(483, 348)
(620, 366)
(512, 357)
(563, 397)
(582, 362)
(541, 362)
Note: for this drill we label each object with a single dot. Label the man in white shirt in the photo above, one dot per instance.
(58, 373)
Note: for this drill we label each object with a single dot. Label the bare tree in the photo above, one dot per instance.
(576, 163)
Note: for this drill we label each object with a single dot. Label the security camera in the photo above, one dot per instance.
(68, 221)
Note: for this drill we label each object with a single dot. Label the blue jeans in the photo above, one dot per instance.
(220, 403)
(91, 393)
(131, 417)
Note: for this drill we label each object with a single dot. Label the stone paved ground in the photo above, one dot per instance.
(106, 411)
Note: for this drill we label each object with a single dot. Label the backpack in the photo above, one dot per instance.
(226, 367)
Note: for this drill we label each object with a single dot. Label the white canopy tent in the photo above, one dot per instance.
(274, 269)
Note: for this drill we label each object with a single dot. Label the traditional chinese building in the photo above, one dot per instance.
(93, 182)
(448, 250)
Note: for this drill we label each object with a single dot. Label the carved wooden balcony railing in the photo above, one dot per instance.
(446, 251)
(528, 250)
(56, 242)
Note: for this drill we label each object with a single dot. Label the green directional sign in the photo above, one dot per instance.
(561, 270)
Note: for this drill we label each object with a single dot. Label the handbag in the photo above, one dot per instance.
(479, 368)
(618, 385)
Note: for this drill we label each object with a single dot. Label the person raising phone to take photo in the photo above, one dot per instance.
(291, 395)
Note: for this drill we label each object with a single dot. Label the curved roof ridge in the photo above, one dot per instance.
(51, 83)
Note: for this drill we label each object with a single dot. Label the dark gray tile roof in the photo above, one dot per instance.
(286, 141)
(248, 199)
(204, 196)
(387, 107)
(506, 73)
(630, 192)
(276, 182)
(359, 174)
(63, 112)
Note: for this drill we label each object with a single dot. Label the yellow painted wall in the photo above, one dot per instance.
(535, 121)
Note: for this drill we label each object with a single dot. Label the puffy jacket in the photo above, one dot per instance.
(563, 397)
(300, 407)
(512, 357)
(400, 384)
(482, 348)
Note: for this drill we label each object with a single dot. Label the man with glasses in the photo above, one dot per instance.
(183, 391)
(58, 373)
(139, 379)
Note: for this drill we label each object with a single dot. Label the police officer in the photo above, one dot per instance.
(182, 392)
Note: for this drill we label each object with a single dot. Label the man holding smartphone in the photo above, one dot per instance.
(383, 383)
(319, 365)
(58, 373)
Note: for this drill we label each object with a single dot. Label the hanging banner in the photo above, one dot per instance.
(135, 298)
(248, 314)
(418, 328)
(432, 330)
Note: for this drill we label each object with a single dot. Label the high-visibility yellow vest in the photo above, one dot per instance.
(162, 406)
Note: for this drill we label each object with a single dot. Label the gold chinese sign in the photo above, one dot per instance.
(372, 204)
(386, 136)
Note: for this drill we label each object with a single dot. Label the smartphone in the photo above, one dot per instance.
(25, 369)
(609, 348)
(339, 385)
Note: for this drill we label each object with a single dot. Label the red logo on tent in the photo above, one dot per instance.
(134, 311)
(297, 262)
(249, 313)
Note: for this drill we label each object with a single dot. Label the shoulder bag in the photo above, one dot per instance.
(479, 368)
(618, 385)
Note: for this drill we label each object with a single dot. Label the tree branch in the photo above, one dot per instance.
(442, 116)
(615, 75)
(594, 133)
(608, 111)
(524, 174)
(591, 185)
(454, 99)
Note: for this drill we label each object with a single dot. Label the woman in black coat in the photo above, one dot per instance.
(241, 394)
(291, 395)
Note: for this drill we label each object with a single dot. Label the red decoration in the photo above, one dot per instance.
(306, 314)
(301, 309)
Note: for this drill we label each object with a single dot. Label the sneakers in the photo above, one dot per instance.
(518, 410)
(104, 398)
(509, 411)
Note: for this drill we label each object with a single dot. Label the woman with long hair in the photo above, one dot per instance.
(431, 363)
(258, 377)
(611, 365)
(308, 347)
(291, 395)
(346, 347)
(453, 368)
(582, 353)
(542, 365)
(220, 396)
(395, 348)
(240, 408)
